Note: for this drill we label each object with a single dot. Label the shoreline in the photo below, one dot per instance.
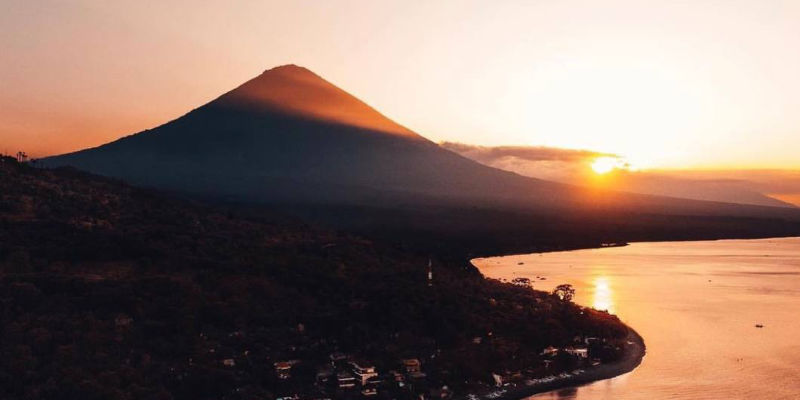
(631, 359)
(634, 354)
(619, 244)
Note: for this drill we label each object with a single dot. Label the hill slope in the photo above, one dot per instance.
(112, 292)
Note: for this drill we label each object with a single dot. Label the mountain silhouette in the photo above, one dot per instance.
(289, 136)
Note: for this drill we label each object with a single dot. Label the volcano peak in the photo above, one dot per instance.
(297, 91)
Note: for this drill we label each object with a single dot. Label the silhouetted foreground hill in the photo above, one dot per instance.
(290, 138)
(113, 292)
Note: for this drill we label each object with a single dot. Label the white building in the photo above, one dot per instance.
(581, 352)
(550, 351)
(363, 371)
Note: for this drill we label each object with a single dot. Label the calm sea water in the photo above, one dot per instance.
(696, 304)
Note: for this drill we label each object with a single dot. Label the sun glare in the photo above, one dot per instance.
(603, 165)
(603, 295)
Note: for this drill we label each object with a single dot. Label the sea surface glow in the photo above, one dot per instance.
(696, 304)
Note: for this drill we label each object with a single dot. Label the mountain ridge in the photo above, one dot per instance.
(289, 137)
(297, 90)
(307, 148)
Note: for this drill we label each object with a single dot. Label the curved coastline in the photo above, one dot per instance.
(632, 358)
(635, 351)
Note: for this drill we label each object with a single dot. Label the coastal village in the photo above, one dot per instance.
(349, 376)
(305, 374)
(314, 369)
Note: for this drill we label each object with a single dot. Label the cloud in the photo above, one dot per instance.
(764, 187)
(550, 163)
(527, 153)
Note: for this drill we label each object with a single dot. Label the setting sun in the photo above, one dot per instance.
(603, 296)
(604, 165)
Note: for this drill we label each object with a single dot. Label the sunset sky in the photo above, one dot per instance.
(667, 84)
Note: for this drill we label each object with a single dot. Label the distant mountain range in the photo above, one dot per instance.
(290, 137)
(757, 187)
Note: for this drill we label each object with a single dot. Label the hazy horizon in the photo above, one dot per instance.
(755, 186)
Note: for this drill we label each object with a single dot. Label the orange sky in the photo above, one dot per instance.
(709, 84)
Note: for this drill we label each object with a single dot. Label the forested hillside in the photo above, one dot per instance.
(109, 291)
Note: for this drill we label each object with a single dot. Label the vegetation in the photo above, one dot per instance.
(565, 292)
(112, 292)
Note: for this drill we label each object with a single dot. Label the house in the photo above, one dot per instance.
(411, 365)
(581, 352)
(363, 371)
(498, 379)
(550, 351)
(283, 369)
(338, 358)
(345, 380)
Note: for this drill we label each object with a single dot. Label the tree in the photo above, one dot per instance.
(565, 292)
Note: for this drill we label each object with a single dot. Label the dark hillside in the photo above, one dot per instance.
(113, 292)
(461, 233)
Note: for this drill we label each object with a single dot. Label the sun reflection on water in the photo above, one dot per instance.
(603, 295)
